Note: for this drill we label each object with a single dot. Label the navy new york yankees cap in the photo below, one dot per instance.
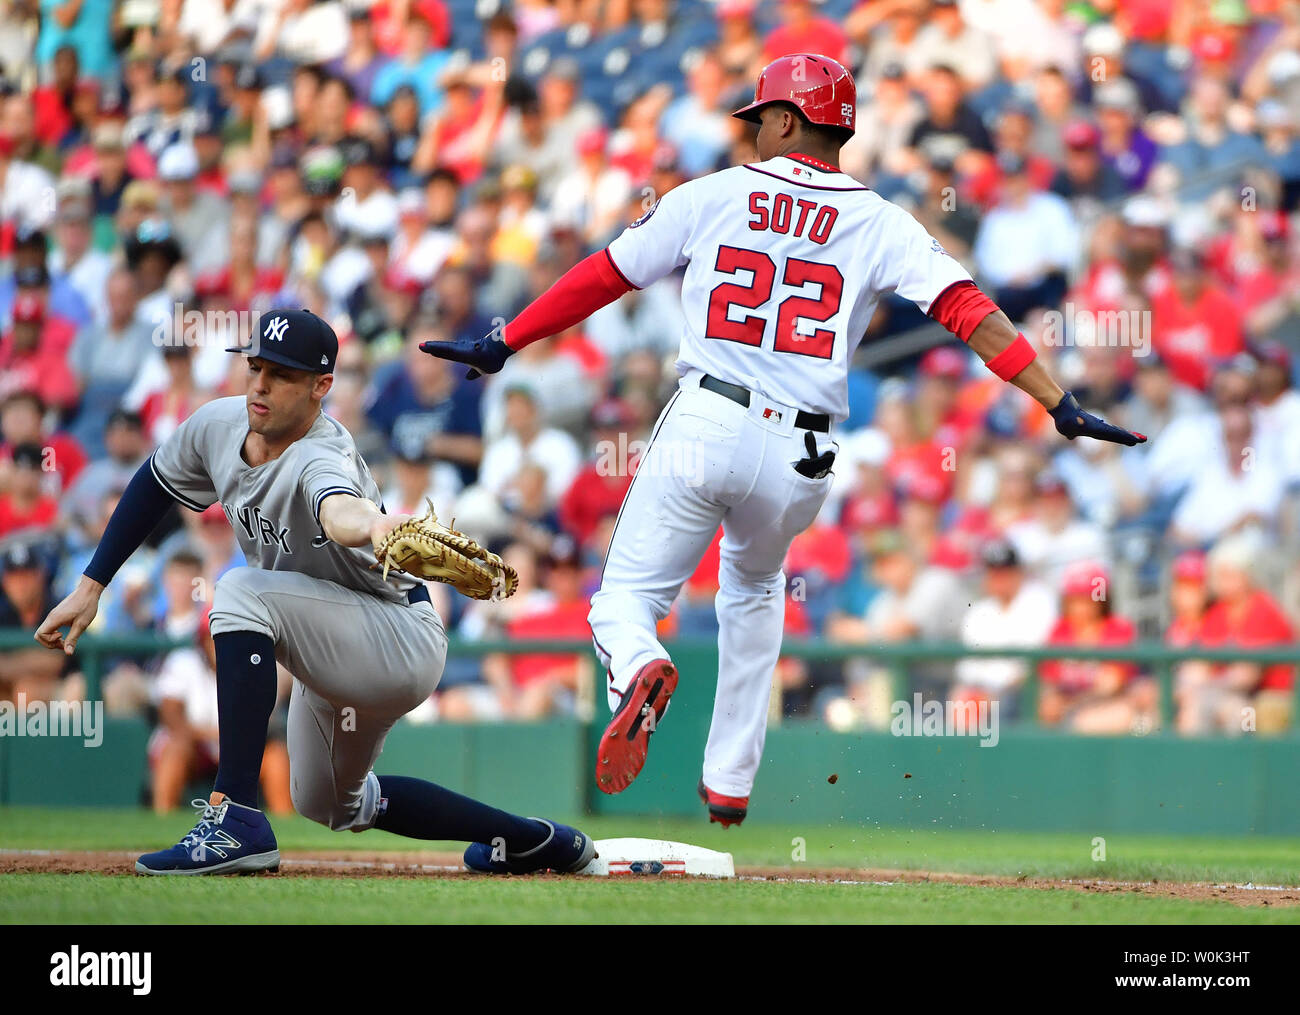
(293, 338)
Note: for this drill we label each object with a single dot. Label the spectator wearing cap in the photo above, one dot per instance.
(941, 416)
(947, 116)
(74, 257)
(917, 463)
(522, 226)
(915, 601)
(1242, 614)
(953, 222)
(1013, 135)
(946, 38)
(1189, 598)
(424, 407)
(152, 253)
(33, 360)
(1084, 178)
(173, 121)
(401, 126)
(802, 30)
(1055, 537)
(127, 449)
(1086, 695)
(1157, 399)
(418, 249)
(739, 45)
(25, 597)
(1195, 326)
(537, 685)
(1237, 482)
(1013, 612)
(26, 504)
(1026, 244)
(1103, 46)
(109, 173)
(541, 126)
(1264, 276)
(361, 60)
(64, 307)
(198, 217)
(23, 420)
(886, 118)
(592, 196)
(1277, 126)
(1125, 147)
(418, 65)
(526, 439)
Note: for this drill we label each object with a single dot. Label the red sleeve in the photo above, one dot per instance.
(961, 307)
(592, 283)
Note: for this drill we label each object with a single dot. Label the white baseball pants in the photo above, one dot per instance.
(711, 462)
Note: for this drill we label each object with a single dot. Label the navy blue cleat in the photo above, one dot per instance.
(228, 839)
(565, 851)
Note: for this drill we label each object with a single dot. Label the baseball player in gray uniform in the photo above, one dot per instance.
(363, 651)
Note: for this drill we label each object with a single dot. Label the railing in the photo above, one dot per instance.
(92, 650)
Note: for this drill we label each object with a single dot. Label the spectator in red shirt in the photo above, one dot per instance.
(542, 684)
(30, 359)
(52, 103)
(22, 421)
(802, 31)
(1091, 696)
(1237, 697)
(1195, 326)
(599, 488)
(25, 504)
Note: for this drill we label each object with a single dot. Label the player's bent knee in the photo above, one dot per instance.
(237, 604)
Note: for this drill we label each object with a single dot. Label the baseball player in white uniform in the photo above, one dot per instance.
(363, 650)
(785, 261)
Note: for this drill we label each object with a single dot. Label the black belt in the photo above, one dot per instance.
(418, 594)
(818, 421)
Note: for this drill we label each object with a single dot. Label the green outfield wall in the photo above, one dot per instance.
(1033, 779)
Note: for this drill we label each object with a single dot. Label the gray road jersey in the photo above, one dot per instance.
(275, 508)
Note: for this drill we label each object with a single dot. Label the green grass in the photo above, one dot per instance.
(96, 898)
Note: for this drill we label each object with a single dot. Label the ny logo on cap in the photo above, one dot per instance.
(276, 328)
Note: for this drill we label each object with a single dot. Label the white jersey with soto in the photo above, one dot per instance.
(786, 261)
(275, 507)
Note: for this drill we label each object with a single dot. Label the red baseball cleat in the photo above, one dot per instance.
(725, 810)
(621, 754)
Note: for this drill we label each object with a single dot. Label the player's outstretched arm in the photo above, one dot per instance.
(143, 504)
(355, 521)
(1008, 354)
(582, 290)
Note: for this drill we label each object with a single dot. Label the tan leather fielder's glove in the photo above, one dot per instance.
(424, 547)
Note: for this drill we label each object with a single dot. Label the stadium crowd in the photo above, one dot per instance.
(1122, 177)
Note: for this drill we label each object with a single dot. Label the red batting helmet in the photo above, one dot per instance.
(819, 87)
